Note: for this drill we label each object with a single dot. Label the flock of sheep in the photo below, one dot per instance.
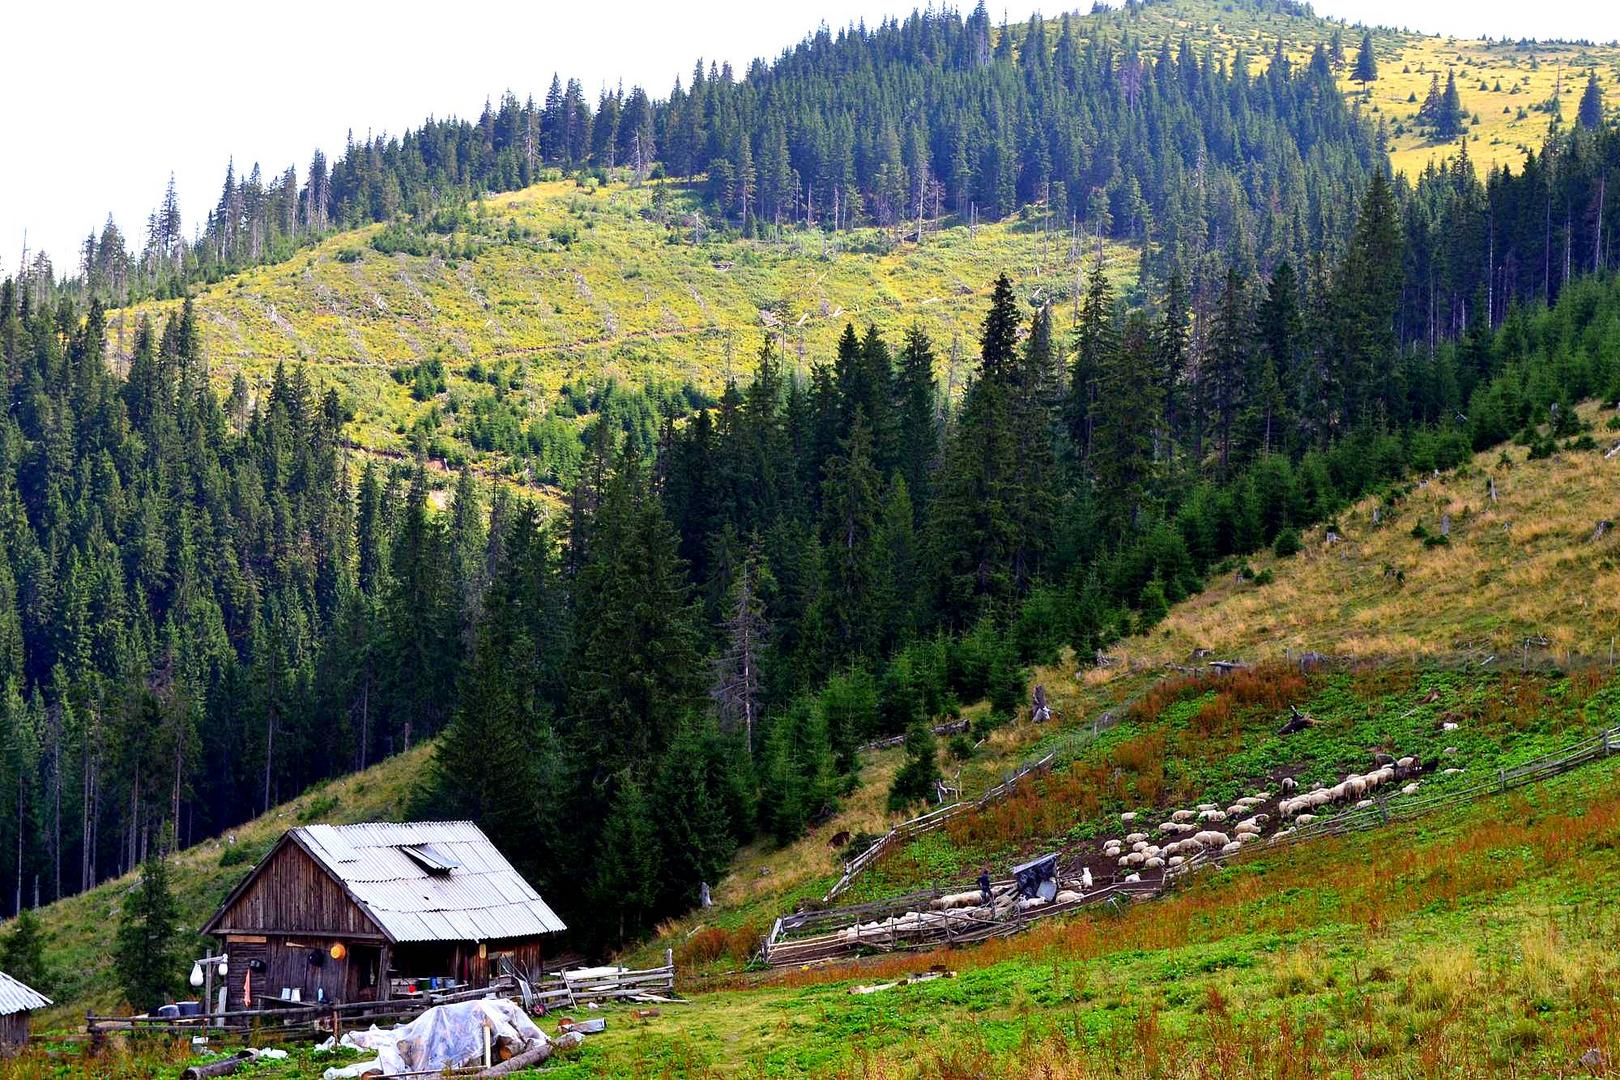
(1208, 829)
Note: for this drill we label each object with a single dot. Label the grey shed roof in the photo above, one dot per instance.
(16, 997)
(430, 880)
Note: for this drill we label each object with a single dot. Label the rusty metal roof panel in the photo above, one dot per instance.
(482, 898)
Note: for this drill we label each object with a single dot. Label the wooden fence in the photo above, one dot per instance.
(1594, 748)
(295, 1021)
(927, 823)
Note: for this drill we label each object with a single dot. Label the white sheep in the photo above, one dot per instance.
(1066, 896)
(1232, 848)
(1206, 806)
(1136, 837)
(1124, 860)
(1136, 858)
(1405, 762)
(1452, 772)
(1152, 851)
(1182, 817)
(1140, 845)
(1167, 826)
(1128, 817)
(1212, 839)
(1289, 785)
(1364, 803)
(1411, 789)
(1133, 877)
(1212, 815)
(1176, 860)
(1449, 725)
(1261, 797)
(1304, 819)
(1153, 864)
(1085, 877)
(1245, 837)
(1246, 828)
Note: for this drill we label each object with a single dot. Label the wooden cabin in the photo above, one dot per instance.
(17, 1003)
(351, 912)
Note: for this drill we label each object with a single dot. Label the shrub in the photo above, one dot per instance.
(1287, 543)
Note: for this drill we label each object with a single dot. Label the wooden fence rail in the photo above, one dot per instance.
(926, 823)
(307, 1019)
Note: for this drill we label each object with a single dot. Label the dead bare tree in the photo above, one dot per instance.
(737, 688)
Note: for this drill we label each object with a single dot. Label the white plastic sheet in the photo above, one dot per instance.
(444, 1037)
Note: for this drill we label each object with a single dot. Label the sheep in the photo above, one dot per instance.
(1449, 725)
(1204, 807)
(1127, 817)
(1182, 817)
(1135, 858)
(1261, 797)
(1280, 833)
(1246, 837)
(1085, 877)
(1212, 839)
(1411, 789)
(1167, 826)
(1364, 803)
(1124, 860)
(1232, 848)
(1153, 851)
(1289, 784)
(1136, 837)
(1405, 762)
(1452, 772)
(1184, 828)
(1246, 828)
(1304, 819)
(1153, 864)
(1450, 751)
(1133, 877)
(1066, 896)
(1212, 815)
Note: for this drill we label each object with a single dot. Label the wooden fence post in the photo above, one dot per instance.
(1501, 775)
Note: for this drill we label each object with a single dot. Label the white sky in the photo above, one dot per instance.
(110, 97)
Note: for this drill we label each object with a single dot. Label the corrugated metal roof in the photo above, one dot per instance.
(16, 997)
(481, 899)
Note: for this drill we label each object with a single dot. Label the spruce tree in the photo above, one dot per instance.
(1590, 114)
(917, 779)
(635, 670)
(22, 952)
(624, 886)
(1366, 69)
(146, 951)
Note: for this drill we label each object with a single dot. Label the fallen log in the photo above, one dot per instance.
(537, 1052)
(222, 1067)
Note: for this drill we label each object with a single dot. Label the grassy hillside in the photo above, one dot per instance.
(1411, 622)
(580, 284)
(1506, 85)
(567, 286)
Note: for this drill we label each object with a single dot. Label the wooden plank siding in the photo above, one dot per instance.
(291, 894)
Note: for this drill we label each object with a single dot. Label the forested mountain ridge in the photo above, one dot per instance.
(749, 567)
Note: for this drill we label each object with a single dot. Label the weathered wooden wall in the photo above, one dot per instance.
(13, 1031)
(292, 894)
